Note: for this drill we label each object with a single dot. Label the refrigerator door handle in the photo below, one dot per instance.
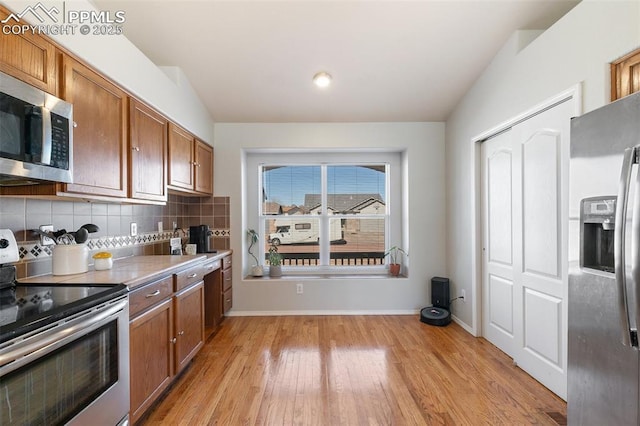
(635, 250)
(629, 337)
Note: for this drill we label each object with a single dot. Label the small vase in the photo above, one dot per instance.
(394, 269)
(275, 271)
(257, 271)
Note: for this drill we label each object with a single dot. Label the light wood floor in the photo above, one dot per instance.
(352, 370)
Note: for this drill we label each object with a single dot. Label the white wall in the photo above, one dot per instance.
(424, 146)
(116, 57)
(577, 49)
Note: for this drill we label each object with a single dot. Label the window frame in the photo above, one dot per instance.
(256, 219)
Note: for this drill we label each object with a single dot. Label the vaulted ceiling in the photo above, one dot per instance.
(253, 61)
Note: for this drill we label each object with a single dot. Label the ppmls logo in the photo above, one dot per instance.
(34, 11)
(68, 22)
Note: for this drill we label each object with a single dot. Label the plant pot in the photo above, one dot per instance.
(394, 269)
(257, 271)
(275, 271)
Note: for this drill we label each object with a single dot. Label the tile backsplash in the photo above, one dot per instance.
(22, 215)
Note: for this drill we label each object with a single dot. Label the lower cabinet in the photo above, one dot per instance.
(189, 305)
(151, 356)
(166, 331)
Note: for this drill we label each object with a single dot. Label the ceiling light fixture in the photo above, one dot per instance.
(322, 79)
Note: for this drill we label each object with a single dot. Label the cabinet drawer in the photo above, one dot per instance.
(226, 279)
(227, 300)
(150, 294)
(187, 277)
(210, 266)
(226, 262)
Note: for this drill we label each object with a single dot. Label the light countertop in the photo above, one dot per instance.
(131, 271)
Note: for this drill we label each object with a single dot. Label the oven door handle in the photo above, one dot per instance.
(37, 345)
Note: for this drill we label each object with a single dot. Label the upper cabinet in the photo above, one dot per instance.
(625, 75)
(204, 167)
(28, 57)
(123, 150)
(190, 163)
(148, 142)
(100, 112)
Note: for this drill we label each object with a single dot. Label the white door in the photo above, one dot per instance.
(524, 285)
(541, 218)
(497, 260)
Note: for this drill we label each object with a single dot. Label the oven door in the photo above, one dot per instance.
(75, 372)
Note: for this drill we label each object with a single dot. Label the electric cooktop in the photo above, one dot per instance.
(27, 307)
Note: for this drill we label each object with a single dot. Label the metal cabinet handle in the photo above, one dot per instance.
(135, 148)
(228, 300)
(174, 340)
(181, 333)
(192, 275)
(228, 279)
(155, 293)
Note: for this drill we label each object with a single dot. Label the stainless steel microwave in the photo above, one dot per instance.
(36, 135)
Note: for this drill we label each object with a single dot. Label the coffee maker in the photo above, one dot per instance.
(199, 235)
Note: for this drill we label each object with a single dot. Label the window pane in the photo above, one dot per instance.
(363, 242)
(356, 189)
(286, 189)
(297, 240)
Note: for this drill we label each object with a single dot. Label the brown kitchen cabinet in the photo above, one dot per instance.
(189, 324)
(166, 331)
(151, 351)
(204, 168)
(28, 57)
(225, 286)
(190, 162)
(148, 159)
(100, 112)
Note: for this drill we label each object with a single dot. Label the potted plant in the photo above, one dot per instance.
(275, 261)
(393, 253)
(256, 269)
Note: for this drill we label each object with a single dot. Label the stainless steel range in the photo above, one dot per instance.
(64, 350)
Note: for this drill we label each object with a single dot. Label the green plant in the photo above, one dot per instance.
(253, 238)
(275, 258)
(393, 253)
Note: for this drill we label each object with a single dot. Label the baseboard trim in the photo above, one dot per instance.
(318, 313)
(463, 324)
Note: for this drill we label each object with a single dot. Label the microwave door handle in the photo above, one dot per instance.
(619, 248)
(46, 136)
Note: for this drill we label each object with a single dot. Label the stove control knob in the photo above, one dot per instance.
(4, 243)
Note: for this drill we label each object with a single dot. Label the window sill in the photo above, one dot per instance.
(309, 277)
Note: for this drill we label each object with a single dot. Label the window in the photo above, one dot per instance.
(334, 215)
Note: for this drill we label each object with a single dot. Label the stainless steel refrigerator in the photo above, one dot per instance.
(604, 266)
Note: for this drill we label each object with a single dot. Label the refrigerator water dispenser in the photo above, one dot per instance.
(597, 223)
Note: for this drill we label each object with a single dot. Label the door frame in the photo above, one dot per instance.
(573, 94)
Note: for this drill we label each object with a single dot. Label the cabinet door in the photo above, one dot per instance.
(151, 356)
(28, 57)
(181, 158)
(204, 167)
(100, 137)
(148, 138)
(189, 306)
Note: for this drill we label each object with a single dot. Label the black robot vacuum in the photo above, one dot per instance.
(438, 314)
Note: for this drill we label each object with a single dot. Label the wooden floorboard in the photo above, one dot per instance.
(352, 370)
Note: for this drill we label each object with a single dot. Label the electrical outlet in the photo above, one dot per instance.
(175, 225)
(299, 288)
(160, 227)
(46, 241)
(463, 295)
(134, 229)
